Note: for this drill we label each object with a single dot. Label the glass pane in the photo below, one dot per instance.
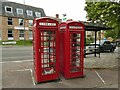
(21, 22)
(48, 53)
(10, 33)
(10, 21)
(30, 22)
(75, 52)
(21, 33)
(8, 9)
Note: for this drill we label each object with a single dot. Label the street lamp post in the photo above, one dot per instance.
(24, 24)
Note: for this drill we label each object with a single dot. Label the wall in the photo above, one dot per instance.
(5, 28)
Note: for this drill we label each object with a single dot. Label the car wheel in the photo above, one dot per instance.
(101, 50)
(112, 50)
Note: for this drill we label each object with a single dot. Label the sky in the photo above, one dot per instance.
(74, 9)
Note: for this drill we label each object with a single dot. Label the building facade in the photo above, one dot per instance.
(16, 20)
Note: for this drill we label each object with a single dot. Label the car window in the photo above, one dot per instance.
(106, 42)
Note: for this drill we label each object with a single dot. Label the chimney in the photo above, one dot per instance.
(57, 15)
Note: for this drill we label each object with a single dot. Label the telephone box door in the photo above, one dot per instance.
(76, 62)
(48, 53)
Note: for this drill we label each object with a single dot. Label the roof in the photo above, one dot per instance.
(15, 5)
(89, 26)
(4, 1)
(96, 28)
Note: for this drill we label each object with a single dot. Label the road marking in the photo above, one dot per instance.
(32, 77)
(13, 57)
(20, 61)
(100, 77)
(33, 80)
(23, 70)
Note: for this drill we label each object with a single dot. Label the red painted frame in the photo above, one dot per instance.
(67, 28)
(39, 26)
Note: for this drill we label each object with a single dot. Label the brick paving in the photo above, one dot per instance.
(106, 60)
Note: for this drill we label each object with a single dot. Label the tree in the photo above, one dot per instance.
(107, 13)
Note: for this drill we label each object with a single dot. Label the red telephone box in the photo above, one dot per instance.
(45, 47)
(71, 49)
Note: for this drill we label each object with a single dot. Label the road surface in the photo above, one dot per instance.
(14, 53)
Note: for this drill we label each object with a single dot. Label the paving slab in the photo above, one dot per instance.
(17, 79)
(107, 60)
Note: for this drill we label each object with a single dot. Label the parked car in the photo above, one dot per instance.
(103, 45)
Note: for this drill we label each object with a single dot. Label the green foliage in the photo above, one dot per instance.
(0, 42)
(89, 40)
(19, 43)
(24, 43)
(107, 13)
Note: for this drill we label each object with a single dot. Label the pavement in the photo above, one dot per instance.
(19, 75)
(106, 60)
(99, 73)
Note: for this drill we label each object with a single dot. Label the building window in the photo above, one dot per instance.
(19, 11)
(37, 14)
(10, 21)
(10, 34)
(21, 33)
(21, 22)
(30, 35)
(8, 9)
(29, 13)
(30, 22)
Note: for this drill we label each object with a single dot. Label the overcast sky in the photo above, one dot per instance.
(73, 8)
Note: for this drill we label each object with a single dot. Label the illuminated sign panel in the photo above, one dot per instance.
(47, 24)
(75, 27)
(62, 27)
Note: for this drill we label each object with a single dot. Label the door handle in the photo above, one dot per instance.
(39, 50)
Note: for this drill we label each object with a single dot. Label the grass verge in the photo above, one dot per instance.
(18, 43)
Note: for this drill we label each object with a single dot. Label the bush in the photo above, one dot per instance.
(24, 43)
(20, 42)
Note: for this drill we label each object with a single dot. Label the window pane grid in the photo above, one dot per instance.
(21, 22)
(29, 13)
(74, 52)
(10, 33)
(10, 20)
(30, 22)
(8, 9)
(30, 33)
(48, 56)
(38, 14)
(21, 33)
(19, 11)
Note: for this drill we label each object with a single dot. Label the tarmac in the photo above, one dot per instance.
(99, 73)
